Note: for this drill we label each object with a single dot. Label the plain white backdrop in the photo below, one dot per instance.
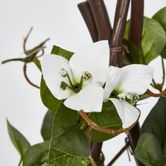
(19, 102)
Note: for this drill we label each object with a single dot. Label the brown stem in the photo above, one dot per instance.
(89, 19)
(101, 19)
(36, 49)
(116, 58)
(150, 93)
(92, 161)
(95, 149)
(109, 131)
(26, 38)
(26, 77)
(137, 8)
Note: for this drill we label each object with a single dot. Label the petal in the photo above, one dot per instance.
(93, 59)
(137, 79)
(113, 79)
(127, 113)
(89, 99)
(51, 69)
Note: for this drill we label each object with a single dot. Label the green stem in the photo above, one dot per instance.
(155, 85)
(144, 96)
(11, 60)
(70, 82)
(36, 61)
(37, 48)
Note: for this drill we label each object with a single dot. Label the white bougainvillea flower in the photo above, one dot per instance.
(123, 87)
(80, 80)
(86, 80)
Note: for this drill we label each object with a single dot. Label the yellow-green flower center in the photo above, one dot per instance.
(75, 87)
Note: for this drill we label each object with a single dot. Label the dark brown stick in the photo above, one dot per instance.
(133, 138)
(116, 58)
(96, 153)
(96, 31)
(119, 154)
(89, 19)
(137, 8)
(101, 19)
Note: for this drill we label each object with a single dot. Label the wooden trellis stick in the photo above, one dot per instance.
(97, 21)
(136, 24)
(115, 37)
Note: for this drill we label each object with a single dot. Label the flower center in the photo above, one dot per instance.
(130, 98)
(75, 87)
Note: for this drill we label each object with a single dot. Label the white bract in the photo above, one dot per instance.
(86, 81)
(123, 87)
(80, 80)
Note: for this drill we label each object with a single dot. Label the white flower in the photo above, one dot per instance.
(86, 80)
(80, 80)
(126, 84)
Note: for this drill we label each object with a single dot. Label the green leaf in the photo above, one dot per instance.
(47, 125)
(155, 124)
(160, 16)
(64, 119)
(108, 118)
(72, 142)
(68, 143)
(134, 54)
(36, 155)
(153, 39)
(18, 140)
(62, 52)
(156, 121)
(61, 159)
(148, 150)
(48, 99)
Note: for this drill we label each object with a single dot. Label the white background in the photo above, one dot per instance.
(20, 103)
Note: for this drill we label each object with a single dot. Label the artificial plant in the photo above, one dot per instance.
(92, 94)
